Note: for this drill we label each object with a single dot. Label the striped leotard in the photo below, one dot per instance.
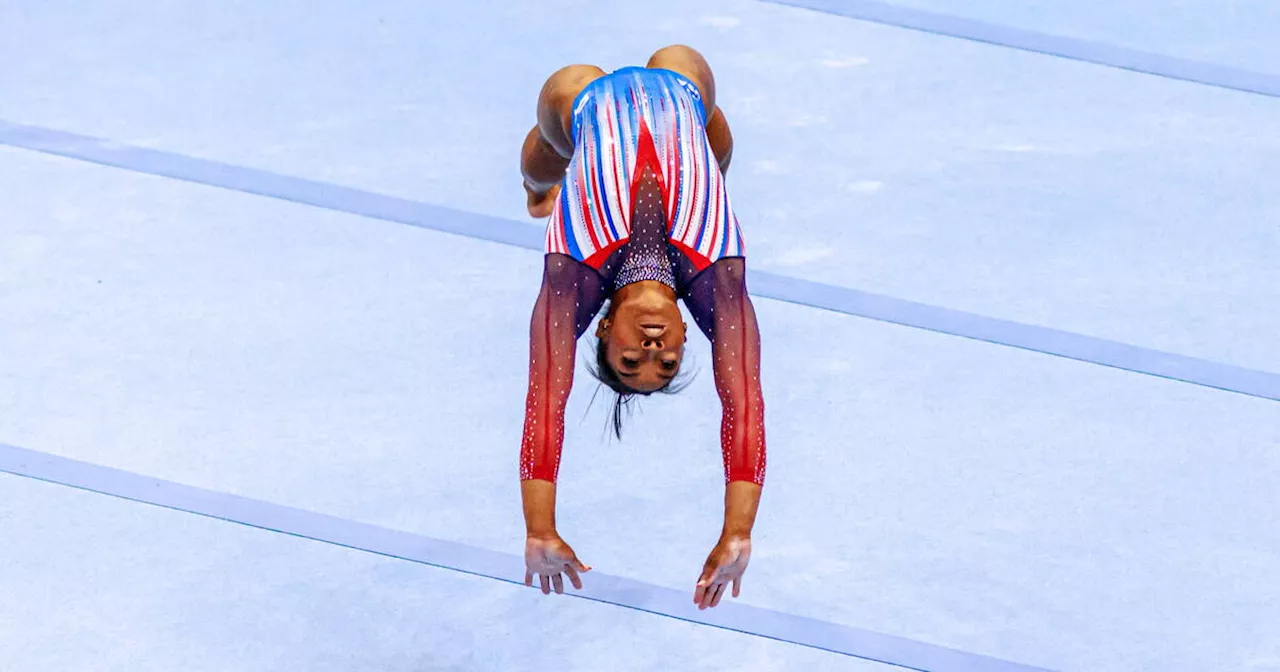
(633, 119)
(643, 198)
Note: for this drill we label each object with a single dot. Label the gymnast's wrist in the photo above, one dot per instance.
(736, 528)
(541, 533)
(539, 504)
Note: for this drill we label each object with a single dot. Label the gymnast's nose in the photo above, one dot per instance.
(651, 344)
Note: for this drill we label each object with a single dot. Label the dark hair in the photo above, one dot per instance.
(625, 396)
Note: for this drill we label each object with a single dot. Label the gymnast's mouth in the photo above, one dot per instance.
(653, 330)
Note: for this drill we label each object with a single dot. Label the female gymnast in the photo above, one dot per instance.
(629, 166)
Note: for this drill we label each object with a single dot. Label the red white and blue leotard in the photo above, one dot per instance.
(643, 198)
(642, 117)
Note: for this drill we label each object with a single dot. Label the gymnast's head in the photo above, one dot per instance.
(641, 344)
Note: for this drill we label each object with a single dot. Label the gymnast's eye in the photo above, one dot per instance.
(630, 363)
(669, 365)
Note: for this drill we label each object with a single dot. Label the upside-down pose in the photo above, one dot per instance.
(629, 166)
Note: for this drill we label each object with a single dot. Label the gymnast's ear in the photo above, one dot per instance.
(602, 329)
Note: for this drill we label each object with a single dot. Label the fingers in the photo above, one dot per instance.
(699, 591)
(715, 599)
(708, 573)
(711, 588)
(710, 595)
(702, 590)
(550, 582)
(549, 560)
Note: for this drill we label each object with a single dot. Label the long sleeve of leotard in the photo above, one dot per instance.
(719, 303)
(570, 296)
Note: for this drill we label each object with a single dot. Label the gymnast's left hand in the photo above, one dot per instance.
(726, 564)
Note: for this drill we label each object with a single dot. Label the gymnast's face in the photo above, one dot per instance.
(643, 337)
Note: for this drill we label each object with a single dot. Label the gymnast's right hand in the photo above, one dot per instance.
(548, 556)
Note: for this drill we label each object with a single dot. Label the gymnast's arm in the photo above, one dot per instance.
(720, 304)
(552, 345)
(570, 296)
(718, 300)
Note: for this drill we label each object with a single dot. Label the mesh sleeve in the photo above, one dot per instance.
(718, 300)
(571, 295)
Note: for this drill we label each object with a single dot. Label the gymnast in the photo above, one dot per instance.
(629, 167)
